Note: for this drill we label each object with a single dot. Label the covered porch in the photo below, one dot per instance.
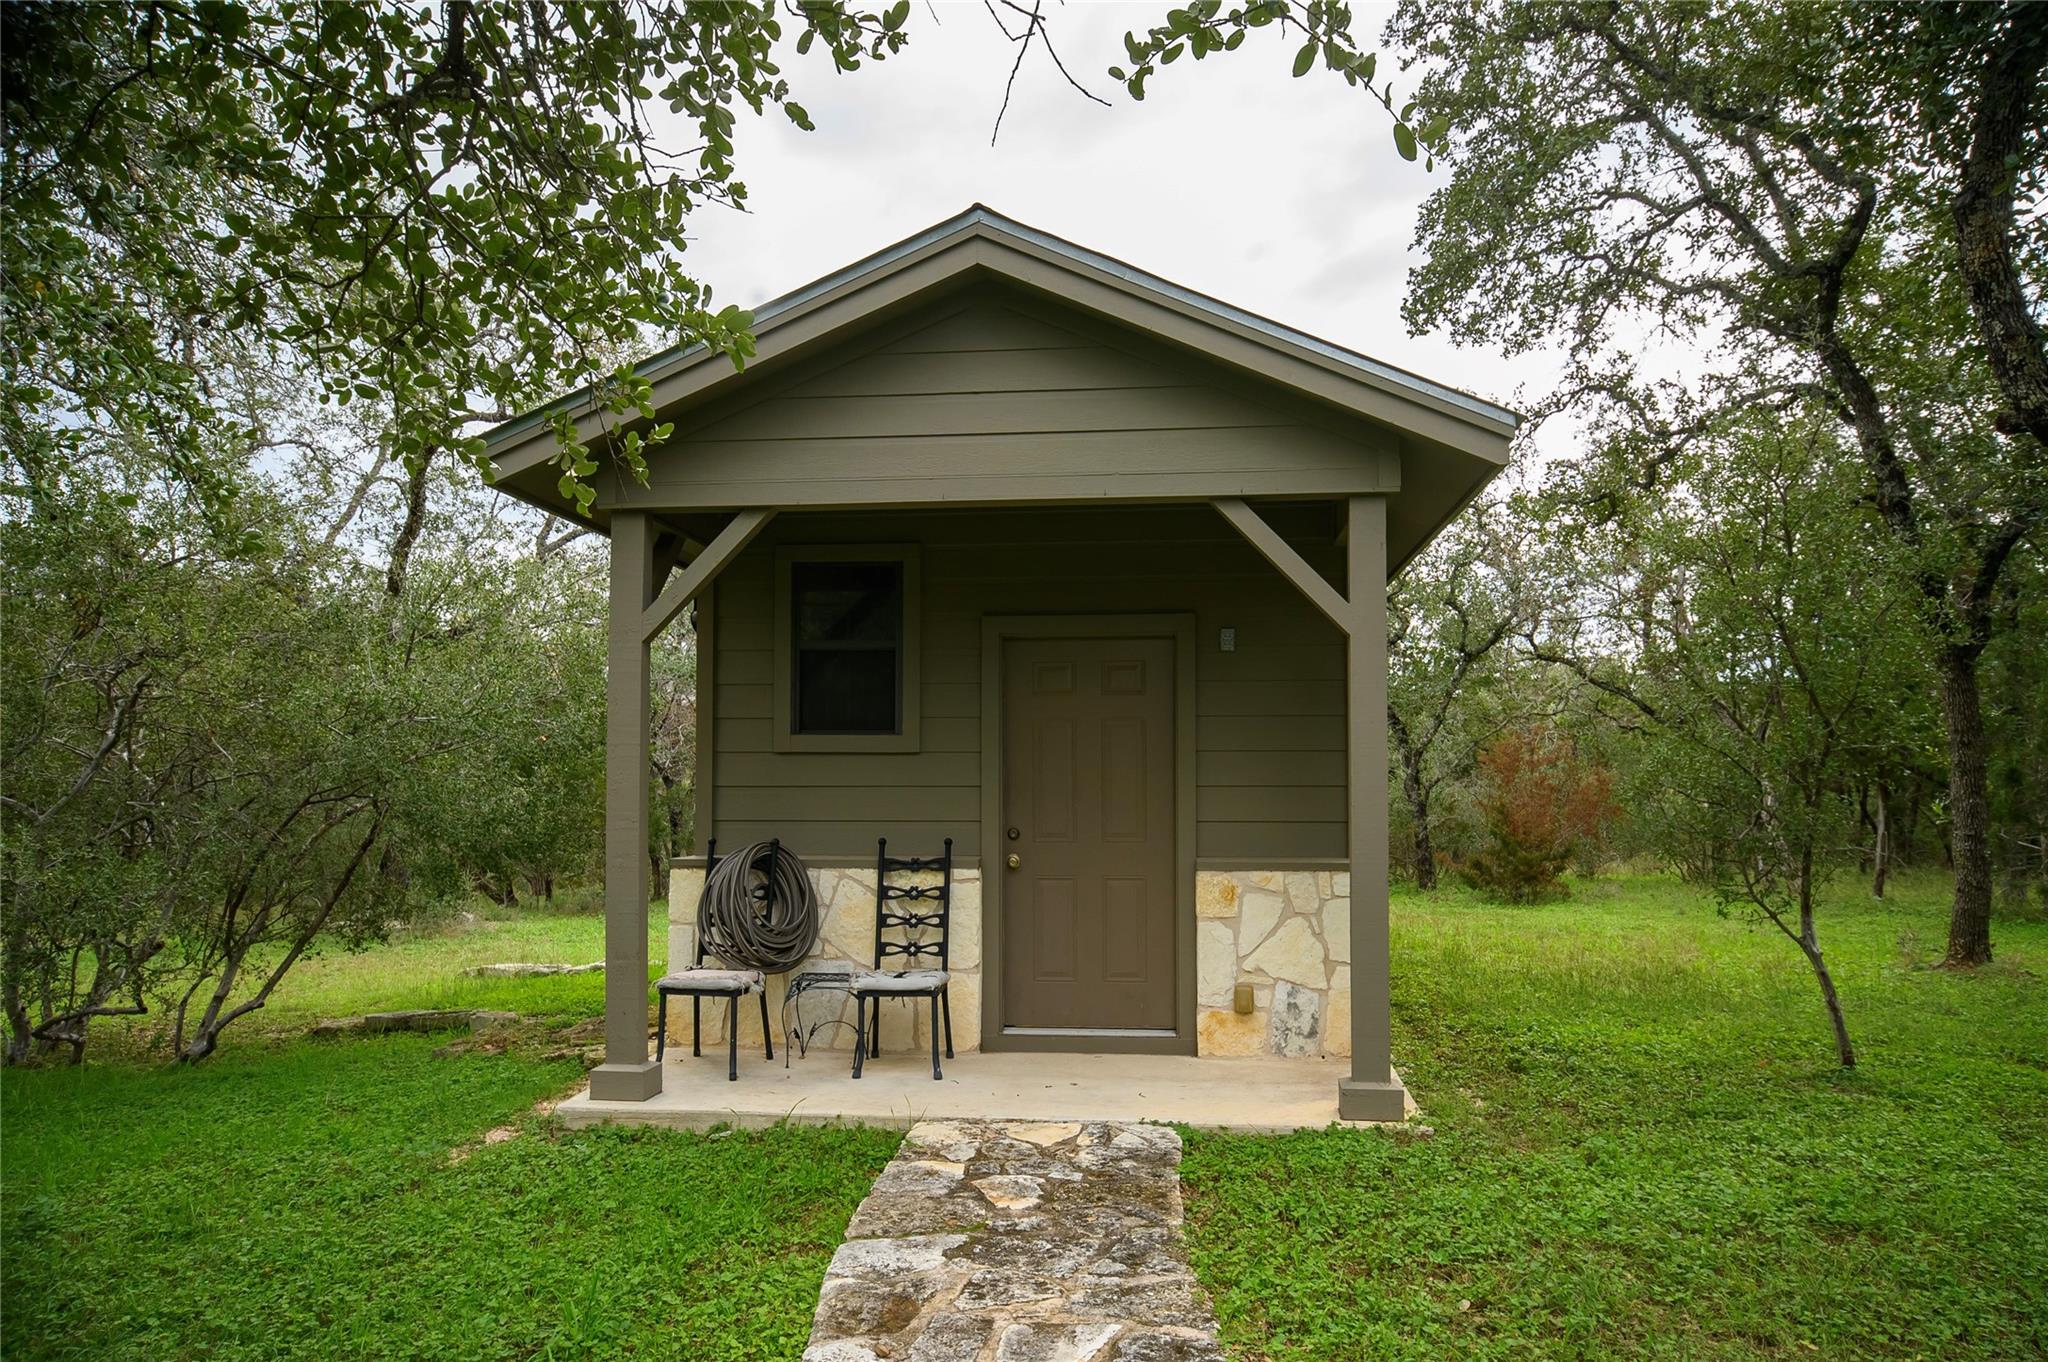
(1265, 954)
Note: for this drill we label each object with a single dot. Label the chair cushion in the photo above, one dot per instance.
(705, 980)
(909, 981)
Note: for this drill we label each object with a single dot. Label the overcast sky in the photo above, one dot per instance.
(1282, 196)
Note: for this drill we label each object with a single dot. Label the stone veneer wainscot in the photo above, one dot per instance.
(1287, 933)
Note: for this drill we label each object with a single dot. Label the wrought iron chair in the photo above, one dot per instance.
(698, 983)
(924, 936)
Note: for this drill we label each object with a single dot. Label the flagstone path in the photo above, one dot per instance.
(1018, 1241)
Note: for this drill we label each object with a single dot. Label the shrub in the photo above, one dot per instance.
(1542, 805)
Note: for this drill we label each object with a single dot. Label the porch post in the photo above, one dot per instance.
(1372, 1093)
(627, 1074)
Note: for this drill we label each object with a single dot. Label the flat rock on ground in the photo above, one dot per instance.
(1019, 1241)
(423, 1019)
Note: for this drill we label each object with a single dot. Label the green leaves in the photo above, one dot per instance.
(1322, 26)
(281, 698)
(321, 183)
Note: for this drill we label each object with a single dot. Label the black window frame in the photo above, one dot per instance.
(790, 651)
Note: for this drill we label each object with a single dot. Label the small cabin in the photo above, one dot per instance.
(1003, 541)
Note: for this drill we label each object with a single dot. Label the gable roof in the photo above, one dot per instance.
(1438, 421)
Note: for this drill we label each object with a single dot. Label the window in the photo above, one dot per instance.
(848, 621)
(846, 650)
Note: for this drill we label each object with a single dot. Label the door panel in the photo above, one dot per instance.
(1053, 793)
(1088, 753)
(1123, 929)
(1052, 944)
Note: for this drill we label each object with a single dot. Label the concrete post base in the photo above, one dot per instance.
(625, 1082)
(1358, 1101)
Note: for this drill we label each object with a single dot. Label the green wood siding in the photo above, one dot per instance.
(993, 394)
(984, 399)
(1269, 716)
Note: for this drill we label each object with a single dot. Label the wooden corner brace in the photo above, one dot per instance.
(1342, 612)
(736, 535)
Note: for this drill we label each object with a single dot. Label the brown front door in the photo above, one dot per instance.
(1088, 910)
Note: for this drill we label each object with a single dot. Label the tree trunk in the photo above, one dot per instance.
(1912, 835)
(1844, 1051)
(409, 529)
(1985, 217)
(1417, 794)
(359, 496)
(185, 1005)
(1425, 847)
(1866, 857)
(18, 1025)
(1881, 847)
(1969, 797)
(206, 1034)
(1809, 944)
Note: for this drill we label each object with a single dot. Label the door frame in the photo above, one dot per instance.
(996, 631)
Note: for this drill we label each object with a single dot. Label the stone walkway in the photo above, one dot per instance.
(1016, 1241)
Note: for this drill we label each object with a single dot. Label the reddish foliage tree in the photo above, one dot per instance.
(1543, 804)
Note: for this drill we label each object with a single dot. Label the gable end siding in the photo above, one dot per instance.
(983, 402)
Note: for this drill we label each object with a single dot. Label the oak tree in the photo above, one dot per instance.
(1771, 656)
(448, 210)
(1816, 204)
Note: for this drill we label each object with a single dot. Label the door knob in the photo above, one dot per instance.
(1015, 860)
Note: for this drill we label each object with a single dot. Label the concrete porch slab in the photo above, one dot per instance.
(1254, 1095)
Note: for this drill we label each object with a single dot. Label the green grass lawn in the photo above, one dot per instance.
(1643, 1148)
(300, 1202)
(296, 1199)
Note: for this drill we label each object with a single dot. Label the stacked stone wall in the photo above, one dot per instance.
(1287, 933)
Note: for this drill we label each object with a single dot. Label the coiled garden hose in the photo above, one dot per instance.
(758, 909)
